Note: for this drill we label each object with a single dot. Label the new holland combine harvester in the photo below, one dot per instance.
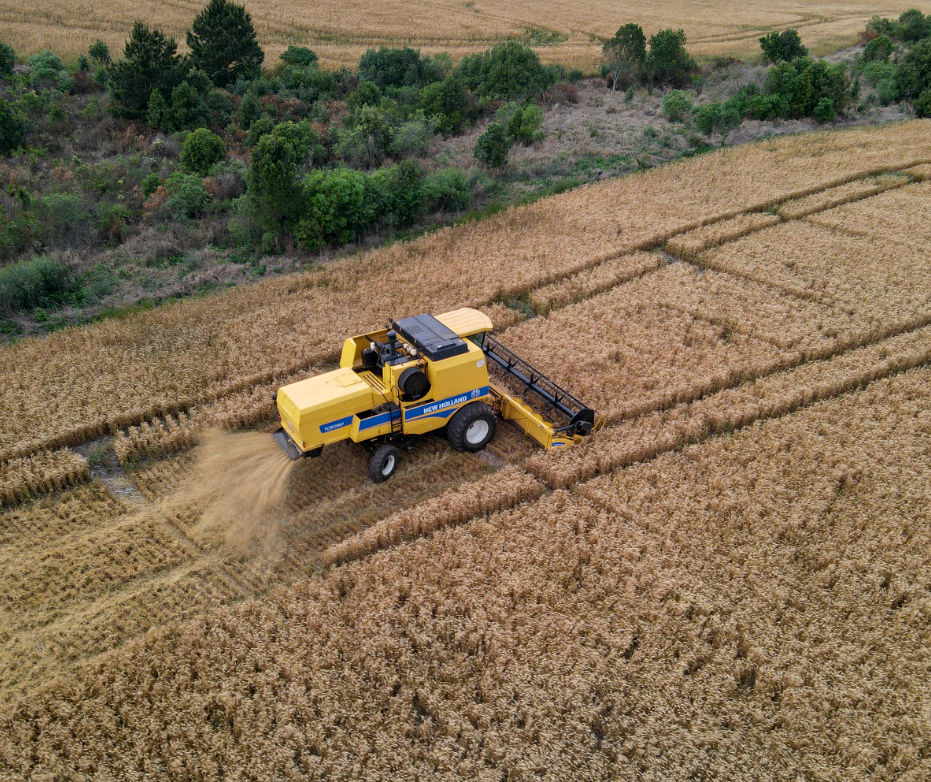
(415, 376)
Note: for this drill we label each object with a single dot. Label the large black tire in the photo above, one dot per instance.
(472, 427)
(384, 462)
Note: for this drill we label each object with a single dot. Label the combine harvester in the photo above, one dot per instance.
(418, 375)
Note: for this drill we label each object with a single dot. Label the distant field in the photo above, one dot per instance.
(567, 32)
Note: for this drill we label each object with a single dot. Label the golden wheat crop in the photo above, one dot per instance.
(688, 244)
(39, 474)
(341, 32)
(837, 196)
(754, 605)
(120, 373)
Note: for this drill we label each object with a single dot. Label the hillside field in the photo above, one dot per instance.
(732, 580)
(568, 33)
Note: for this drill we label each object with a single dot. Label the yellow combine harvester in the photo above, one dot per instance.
(418, 375)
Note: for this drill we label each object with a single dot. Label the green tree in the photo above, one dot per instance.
(782, 47)
(150, 62)
(202, 149)
(677, 106)
(405, 67)
(914, 25)
(13, 127)
(274, 186)
(524, 124)
(667, 61)
(625, 56)
(336, 208)
(250, 110)
(913, 74)
(492, 147)
(923, 104)
(508, 71)
(157, 112)
(223, 43)
(299, 56)
(445, 103)
(7, 60)
(100, 53)
(878, 50)
(188, 108)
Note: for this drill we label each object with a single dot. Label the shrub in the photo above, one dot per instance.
(667, 61)
(188, 108)
(508, 71)
(299, 56)
(411, 138)
(923, 104)
(13, 127)
(274, 188)
(99, 53)
(492, 147)
(878, 50)
(914, 25)
(150, 61)
(523, 126)
(447, 190)
(405, 67)
(66, 218)
(260, 127)
(366, 94)
(156, 114)
(782, 47)
(395, 196)
(824, 110)
(7, 60)
(223, 43)
(40, 282)
(803, 83)
(625, 56)
(187, 195)
(677, 106)
(250, 109)
(48, 67)
(445, 103)
(150, 184)
(913, 75)
(202, 149)
(336, 208)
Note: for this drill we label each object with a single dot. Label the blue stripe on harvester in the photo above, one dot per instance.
(444, 407)
(339, 424)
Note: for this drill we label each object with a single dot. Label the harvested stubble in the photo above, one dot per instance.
(689, 244)
(879, 280)
(41, 473)
(723, 612)
(499, 491)
(775, 395)
(119, 373)
(593, 281)
(837, 196)
(340, 32)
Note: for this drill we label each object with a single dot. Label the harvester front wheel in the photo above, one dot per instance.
(472, 428)
(383, 464)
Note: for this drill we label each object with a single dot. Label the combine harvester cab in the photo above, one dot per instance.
(421, 374)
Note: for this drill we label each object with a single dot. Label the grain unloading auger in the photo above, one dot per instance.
(421, 374)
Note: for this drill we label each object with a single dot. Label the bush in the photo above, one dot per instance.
(395, 194)
(223, 43)
(299, 56)
(202, 149)
(187, 196)
(188, 108)
(274, 187)
(803, 84)
(782, 47)
(523, 126)
(366, 94)
(335, 208)
(411, 138)
(99, 53)
(150, 184)
(447, 190)
(667, 61)
(66, 219)
(150, 61)
(7, 60)
(156, 114)
(923, 104)
(47, 67)
(260, 127)
(824, 110)
(677, 106)
(625, 56)
(508, 71)
(878, 50)
(250, 110)
(913, 75)
(13, 127)
(492, 147)
(445, 103)
(405, 67)
(41, 282)
(914, 25)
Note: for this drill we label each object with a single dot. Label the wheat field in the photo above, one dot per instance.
(340, 32)
(729, 581)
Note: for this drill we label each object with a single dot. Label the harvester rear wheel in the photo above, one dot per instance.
(384, 462)
(472, 428)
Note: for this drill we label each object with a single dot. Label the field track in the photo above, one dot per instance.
(568, 33)
(731, 578)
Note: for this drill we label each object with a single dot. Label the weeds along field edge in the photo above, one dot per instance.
(179, 356)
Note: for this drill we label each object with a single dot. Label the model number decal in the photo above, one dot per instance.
(336, 424)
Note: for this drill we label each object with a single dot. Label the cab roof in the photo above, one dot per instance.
(465, 322)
